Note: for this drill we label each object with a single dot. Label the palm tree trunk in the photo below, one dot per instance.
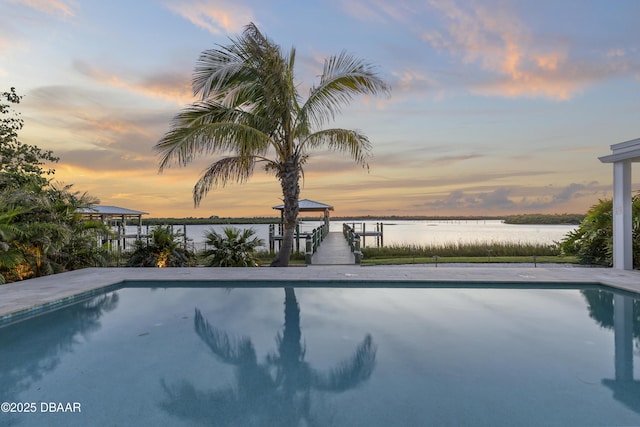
(289, 177)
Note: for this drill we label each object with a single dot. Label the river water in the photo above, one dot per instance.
(417, 232)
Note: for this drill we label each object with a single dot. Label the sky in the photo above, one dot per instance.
(496, 107)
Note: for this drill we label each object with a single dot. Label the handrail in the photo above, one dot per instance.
(313, 241)
(353, 239)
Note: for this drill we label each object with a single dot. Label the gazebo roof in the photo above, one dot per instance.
(629, 150)
(110, 210)
(306, 205)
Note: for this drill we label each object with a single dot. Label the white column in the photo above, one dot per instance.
(622, 248)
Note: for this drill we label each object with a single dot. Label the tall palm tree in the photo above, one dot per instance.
(251, 112)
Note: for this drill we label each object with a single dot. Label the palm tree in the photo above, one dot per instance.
(251, 112)
(232, 248)
(41, 231)
(164, 250)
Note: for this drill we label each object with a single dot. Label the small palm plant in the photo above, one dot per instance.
(232, 248)
(164, 250)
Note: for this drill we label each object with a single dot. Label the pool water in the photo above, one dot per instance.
(329, 356)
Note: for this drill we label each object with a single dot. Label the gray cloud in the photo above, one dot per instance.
(496, 199)
(513, 198)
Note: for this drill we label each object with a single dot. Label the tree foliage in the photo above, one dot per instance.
(41, 231)
(20, 163)
(251, 112)
(232, 248)
(544, 219)
(592, 241)
(162, 249)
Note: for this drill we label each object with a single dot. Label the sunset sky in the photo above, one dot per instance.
(497, 106)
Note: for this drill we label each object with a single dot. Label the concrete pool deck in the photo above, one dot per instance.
(46, 292)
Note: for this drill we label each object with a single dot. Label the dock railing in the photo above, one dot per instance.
(313, 240)
(353, 239)
(377, 232)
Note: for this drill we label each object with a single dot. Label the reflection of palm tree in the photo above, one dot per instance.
(276, 392)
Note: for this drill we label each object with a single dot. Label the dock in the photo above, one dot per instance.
(334, 250)
(361, 230)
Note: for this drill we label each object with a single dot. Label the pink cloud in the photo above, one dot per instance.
(170, 87)
(501, 44)
(217, 17)
(52, 7)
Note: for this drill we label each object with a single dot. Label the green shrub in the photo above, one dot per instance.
(232, 248)
(164, 249)
(592, 241)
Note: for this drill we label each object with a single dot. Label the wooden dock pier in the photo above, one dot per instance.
(361, 230)
(334, 250)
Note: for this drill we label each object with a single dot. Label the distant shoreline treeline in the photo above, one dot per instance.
(544, 219)
(555, 219)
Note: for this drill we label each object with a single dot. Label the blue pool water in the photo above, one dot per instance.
(333, 356)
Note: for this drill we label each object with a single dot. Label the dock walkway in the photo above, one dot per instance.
(334, 250)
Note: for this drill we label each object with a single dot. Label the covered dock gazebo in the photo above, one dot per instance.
(306, 205)
(623, 155)
(107, 214)
(116, 217)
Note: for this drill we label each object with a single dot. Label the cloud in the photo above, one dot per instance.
(378, 11)
(173, 87)
(515, 63)
(411, 82)
(51, 7)
(571, 191)
(450, 160)
(74, 121)
(498, 41)
(512, 198)
(217, 17)
(488, 201)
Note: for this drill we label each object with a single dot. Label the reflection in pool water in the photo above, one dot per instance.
(343, 357)
(274, 392)
(621, 313)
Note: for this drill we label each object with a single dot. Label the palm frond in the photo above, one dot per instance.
(352, 142)
(343, 77)
(228, 66)
(216, 68)
(219, 173)
(208, 127)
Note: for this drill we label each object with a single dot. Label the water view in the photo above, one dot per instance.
(418, 232)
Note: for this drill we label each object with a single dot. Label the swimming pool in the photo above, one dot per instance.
(346, 356)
